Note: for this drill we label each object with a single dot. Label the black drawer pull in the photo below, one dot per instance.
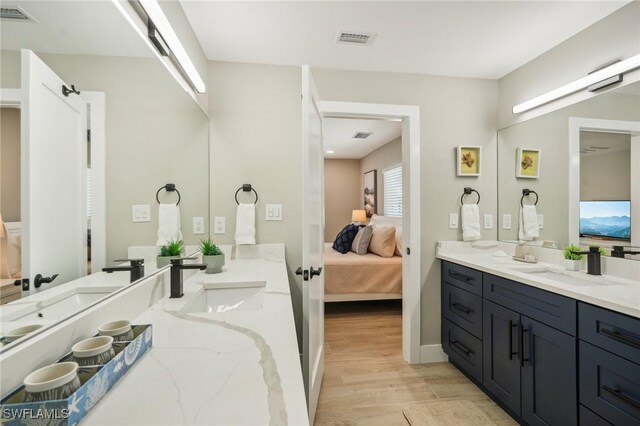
(460, 277)
(621, 338)
(462, 308)
(522, 348)
(618, 394)
(462, 347)
(511, 352)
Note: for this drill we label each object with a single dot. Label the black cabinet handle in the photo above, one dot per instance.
(511, 352)
(462, 347)
(460, 277)
(615, 335)
(462, 308)
(315, 272)
(618, 394)
(522, 350)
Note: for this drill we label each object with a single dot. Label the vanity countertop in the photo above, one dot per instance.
(618, 294)
(231, 367)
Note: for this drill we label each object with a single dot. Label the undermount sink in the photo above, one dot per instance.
(61, 305)
(225, 297)
(581, 279)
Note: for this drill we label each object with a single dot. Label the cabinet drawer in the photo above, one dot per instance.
(552, 309)
(462, 308)
(609, 330)
(609, 385)
(462, 277)
(588, 418)
(463, 349)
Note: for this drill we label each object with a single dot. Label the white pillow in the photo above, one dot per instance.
(378, 221)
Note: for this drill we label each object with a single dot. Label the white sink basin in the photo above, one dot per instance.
(60, 305)
(579, 279)
(225, 297)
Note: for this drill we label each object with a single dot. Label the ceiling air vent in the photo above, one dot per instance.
(355, 37)
(15, 14)
(361, 135)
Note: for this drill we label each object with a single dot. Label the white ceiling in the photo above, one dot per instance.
(455, 38)
(72, 27)
(603, 143)
(338, 134)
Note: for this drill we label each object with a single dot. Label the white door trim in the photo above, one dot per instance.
(576, 125)
(412, 267)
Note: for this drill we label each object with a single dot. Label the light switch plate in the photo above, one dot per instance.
(198, 225)
(506, 221)
(488, 221)
(541, 221)
(453, 221)
(219, 225)
(273, 212)
(141, 213)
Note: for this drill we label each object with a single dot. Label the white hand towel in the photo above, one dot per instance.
(528, 228)
(470, 222)
(168, 224)
(246, 224)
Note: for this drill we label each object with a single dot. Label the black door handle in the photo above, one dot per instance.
(315, 272)
(304, 273)
(299, 271)
(517, 351)
(39, 280)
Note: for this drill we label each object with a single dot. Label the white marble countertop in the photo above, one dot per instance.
(233, 367)
(618, 294)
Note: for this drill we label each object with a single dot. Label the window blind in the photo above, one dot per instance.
(392, 184)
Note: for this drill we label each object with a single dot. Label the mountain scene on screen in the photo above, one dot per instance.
(611, 226)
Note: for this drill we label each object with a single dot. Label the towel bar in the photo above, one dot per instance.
(170, 187)
(468, 191)
(246, 188)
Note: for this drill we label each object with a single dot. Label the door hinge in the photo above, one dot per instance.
(408, 251)
(88, 135)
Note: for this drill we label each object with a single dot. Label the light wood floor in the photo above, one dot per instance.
(366, 380)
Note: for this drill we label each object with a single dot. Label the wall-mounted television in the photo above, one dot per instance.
(606, 219)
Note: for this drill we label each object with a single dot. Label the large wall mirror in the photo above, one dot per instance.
(93, 126)
(580, 167)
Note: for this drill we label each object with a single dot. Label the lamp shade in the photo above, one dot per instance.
(358, 216)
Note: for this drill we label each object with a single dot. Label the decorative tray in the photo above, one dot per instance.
(96, 382)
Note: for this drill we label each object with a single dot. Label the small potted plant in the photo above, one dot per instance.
(172, 250)
(572, 261)
(212, 256)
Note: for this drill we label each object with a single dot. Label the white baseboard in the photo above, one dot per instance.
(432, 353)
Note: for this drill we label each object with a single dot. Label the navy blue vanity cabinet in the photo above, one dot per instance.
(462, 277)
(501, 348)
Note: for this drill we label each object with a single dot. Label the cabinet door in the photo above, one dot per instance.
(549, 372)
(501, 354)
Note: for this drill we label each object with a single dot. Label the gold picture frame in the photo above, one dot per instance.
(528, 163)
(468, 159)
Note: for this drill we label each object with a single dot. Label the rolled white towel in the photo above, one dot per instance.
(168, 224)
(470, 215)
(246, 224)
(528, 228)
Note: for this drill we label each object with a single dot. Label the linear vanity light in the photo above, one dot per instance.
(596, 77)
(156, 15)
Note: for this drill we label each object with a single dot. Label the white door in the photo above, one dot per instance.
(312, 243)
(53, 161)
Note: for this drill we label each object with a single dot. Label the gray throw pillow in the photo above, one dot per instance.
(361, 242)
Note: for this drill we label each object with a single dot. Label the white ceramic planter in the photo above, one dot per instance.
(572, 265)
(162, 261)
(120, 330)
(56, 381)
(93, 351)
(214, 263)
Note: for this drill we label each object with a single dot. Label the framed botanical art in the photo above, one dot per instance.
(370, 202)
(528, 163)
(468, 158)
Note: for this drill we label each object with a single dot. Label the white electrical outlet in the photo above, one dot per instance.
(488, 221)
(453, 221)
(219, 225)
(506, 221)
(273, 212)
(541, 221)
(198, 225)
(141, 213)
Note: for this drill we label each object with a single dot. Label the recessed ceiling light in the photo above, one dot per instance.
(330, 151)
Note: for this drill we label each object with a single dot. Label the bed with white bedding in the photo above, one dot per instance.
(350, 277)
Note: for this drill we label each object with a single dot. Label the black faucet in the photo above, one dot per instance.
(136, 268)
(176, 274)
(619, 251)
(593, 260)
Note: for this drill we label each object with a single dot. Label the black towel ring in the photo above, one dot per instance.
(170, 187)
(526, 193)
(468, 191)
(246, 188)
